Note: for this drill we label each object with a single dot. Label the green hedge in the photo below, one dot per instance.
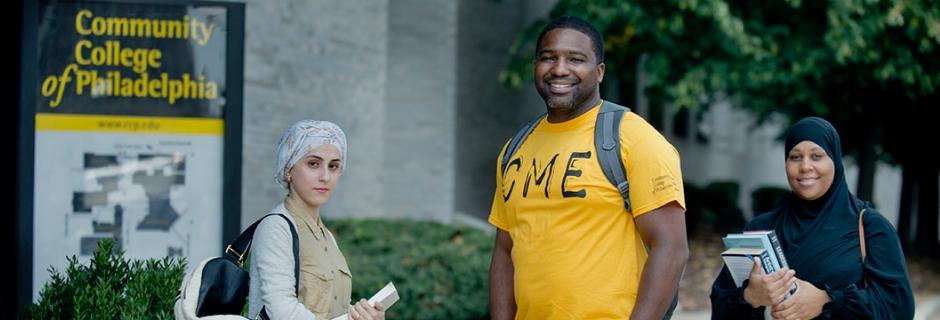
(440, 271)
(714, 207)
(767, 197)
(110, 287)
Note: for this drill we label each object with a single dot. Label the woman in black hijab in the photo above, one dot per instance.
(817, 225)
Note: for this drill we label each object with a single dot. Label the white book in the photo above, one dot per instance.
(388, 295)
(761, 239)
(740, 261)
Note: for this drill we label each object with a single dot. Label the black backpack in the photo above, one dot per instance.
(219, 285)
(607, 143)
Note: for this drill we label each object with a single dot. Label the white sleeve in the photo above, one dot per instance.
(272, 263)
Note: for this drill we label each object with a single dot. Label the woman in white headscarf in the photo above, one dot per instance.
(311, 157)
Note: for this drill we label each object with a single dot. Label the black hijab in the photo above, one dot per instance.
(820, 237)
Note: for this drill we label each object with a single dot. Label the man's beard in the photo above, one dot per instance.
(577, 97)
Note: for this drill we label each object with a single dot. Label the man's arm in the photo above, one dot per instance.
(502, 298)
(663, 230)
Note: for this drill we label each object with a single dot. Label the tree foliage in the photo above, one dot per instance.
(774, 56)
(868, 66)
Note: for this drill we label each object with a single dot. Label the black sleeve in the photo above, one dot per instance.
(888, 294)
(728, 300)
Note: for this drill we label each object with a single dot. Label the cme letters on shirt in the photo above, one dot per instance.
(537, 174)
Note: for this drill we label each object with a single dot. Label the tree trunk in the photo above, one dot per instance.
(627, 85)
(867, 162)
(905, 210)
(642, 103)
(927, 210)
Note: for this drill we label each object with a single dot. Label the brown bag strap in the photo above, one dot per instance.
(861, 241)
(861, 233)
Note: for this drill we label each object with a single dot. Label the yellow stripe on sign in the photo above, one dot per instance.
(128, 124)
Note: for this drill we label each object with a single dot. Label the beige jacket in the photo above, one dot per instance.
(325, 281)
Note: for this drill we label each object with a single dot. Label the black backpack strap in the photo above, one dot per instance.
(296, 248)
(607, 142)
(238, 249)
(516, 142)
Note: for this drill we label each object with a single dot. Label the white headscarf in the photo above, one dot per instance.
(300, 139)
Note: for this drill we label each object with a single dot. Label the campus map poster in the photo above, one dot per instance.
(129, 131)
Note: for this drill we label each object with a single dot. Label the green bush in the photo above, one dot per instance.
(693, 207)
(765, 198)
(723, 201)
(714, 207)
(110, 287)
(440, 271)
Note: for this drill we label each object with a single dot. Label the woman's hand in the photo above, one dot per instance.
(806, 303)
(363, 311)
(769, 289)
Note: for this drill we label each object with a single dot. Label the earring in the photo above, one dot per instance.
(288, 179)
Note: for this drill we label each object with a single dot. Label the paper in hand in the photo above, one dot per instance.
(387, 296)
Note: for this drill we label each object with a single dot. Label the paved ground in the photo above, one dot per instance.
(929, 309)
(680, 315)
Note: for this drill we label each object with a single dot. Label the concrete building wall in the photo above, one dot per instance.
(315, 60)
(421, 111)
(385, 72)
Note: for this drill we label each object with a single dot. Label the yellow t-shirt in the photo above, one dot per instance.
(576, 251)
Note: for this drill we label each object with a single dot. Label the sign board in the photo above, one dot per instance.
(137, 122)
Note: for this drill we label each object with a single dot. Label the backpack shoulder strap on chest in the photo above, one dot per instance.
(607, 142)
(241, 245)
(516, 142)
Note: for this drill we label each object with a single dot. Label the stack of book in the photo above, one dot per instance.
(742, 248)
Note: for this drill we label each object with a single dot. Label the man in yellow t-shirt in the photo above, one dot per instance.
(566, 246)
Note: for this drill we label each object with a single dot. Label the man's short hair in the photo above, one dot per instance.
(577, 24)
